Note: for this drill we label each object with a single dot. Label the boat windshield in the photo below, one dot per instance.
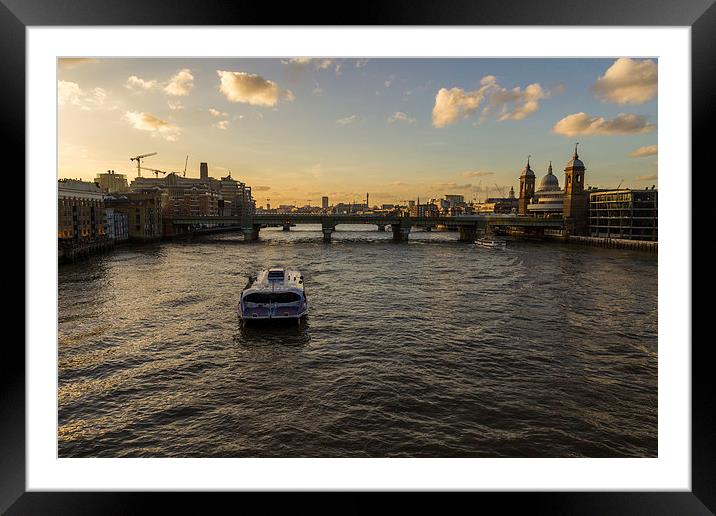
(275, 275)
(272, 297)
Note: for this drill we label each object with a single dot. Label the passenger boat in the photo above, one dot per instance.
(274, 294)
(491, 243)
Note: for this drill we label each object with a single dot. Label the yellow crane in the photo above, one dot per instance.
(139, 159)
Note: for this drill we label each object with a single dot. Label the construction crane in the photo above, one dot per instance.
(500, 190)
(620, 183)
(138, 159)
(185, 163)
(156, 171)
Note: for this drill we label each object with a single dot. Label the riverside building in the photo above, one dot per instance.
(203, 196)
(624, 214)
(80, 213)
(143, 211)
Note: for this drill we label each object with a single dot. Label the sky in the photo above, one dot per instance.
(295, 129)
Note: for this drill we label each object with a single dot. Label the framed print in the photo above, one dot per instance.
(414, 253)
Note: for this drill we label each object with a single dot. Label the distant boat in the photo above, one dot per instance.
(492, 243)
(274, 294)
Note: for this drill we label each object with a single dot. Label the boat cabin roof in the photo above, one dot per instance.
(277, 279)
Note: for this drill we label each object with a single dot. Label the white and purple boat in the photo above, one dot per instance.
(274, 294)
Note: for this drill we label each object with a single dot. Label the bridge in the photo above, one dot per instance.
(469, 226)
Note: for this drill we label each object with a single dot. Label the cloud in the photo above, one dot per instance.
(216, 112)
(452, 104)
(347, 120)
(318, 91)
(138, 84)
(523, 102)
(582, 123)
(628, 81)
(70, 94)
(260, 188)
(148, 122)
(180, 84)
(399, 116)
(360, 63)
(389, 81)
(222, 124)
(69, 63)
(649, 150)
(510, 104)
(647, 178)
(318, 63)
(476, 173)
(175, 105)
(251, 89)
(452, 185)
(398, 183)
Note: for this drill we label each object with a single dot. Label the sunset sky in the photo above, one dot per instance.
(296, 129)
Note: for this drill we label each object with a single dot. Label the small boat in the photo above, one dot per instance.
(492, 243)
(274, 294)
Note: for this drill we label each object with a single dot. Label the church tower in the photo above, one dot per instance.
(575, 198)
(527, 188)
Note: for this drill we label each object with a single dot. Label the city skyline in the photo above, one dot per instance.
(296, 129)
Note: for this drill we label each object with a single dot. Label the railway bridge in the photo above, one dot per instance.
(469, 226)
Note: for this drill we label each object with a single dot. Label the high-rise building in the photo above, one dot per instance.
(324, 202)
(575, 205)
(527, 188)
(204, 171)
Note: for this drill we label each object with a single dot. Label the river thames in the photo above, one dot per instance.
(431, 348)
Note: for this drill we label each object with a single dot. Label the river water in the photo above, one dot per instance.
(431, 348)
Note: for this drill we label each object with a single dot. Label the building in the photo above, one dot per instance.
(527, 188)
(424, 210)
(454, 200)
(80, 217)
(343, 208)
(116, 225)
(110, 182)
(575, 203)
(548, 200)
(628, 214)
(233, 198)
(143, 211)
(324, 202)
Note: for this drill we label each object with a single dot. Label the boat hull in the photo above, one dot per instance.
(272, 314)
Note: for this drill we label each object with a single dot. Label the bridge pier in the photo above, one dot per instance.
(427, 228)
(327, 232)
(287, 227)
(467, 233)
(250, 234)
(400, 232)
(381, 227)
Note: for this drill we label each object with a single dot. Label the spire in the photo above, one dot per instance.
(575, 151)
(528, 160)
(549, 170)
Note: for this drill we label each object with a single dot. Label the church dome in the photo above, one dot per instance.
(549, 182)
(575, 162)
(527, 172)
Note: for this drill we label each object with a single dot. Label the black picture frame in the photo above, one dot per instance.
(700, 15)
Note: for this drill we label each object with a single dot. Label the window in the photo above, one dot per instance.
(272, 297)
